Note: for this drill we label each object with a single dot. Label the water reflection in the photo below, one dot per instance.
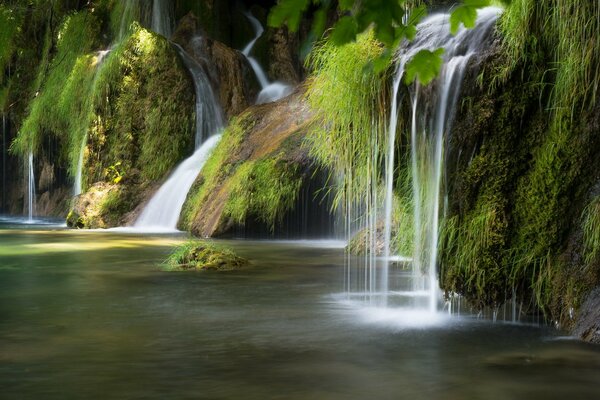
(107, 322)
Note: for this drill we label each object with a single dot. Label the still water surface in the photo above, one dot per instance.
(91, 315)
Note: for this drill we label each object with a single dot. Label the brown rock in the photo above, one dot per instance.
(587, 326)
(230, 72)
(268, 129)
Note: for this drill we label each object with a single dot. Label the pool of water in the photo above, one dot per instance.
(92, 315)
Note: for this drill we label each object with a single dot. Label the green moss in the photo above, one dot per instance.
(76, 36)
(591, 231)
(265, 189)
(10, 22)
(199, 255)
(349, 101)
(218, 165)
(146, 103)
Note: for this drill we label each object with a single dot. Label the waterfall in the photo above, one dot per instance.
(129, 14)
(162, 17)
(162, 212)
(432, 115)
(209, 117)
(77, 184)
(270, 91)
(78, 174)
(30, 189)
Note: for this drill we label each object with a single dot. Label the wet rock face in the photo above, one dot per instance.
(284, 64)
(231, 75)
(587, 326)
(256, 174)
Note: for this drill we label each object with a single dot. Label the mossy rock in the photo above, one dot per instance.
(202, 256)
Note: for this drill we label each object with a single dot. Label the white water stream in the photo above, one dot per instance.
(270, 91)
(30, 189)
(432, 112)
(163, 210)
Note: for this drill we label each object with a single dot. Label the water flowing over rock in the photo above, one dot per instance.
(271, 91)
(262, 181)
(228, 70)
(162, 212)
(432, 113)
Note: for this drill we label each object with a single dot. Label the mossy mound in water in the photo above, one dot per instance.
(197, 255)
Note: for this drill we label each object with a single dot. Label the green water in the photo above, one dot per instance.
(90, 315)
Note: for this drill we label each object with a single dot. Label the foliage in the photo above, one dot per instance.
(392, 21)
(145, 101)
(262, 187)
(265, 189)
(216, 167)
(9, 25)
(200, 255)
(591, 231)
(76, 36)
(349, 102)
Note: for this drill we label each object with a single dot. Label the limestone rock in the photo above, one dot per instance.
(200, 256)
(587, 326)
(256, 173)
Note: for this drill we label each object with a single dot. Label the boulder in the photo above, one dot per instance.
(257, 174)
(587, 326)
(201, 256)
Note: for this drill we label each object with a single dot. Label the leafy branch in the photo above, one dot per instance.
(392, 22)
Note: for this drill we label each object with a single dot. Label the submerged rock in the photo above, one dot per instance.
(202, 256)
(587, 326)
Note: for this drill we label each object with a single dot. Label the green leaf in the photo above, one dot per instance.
(289, 11)
(382, 62)
(346, 5)
(425, 65)
(466, 14)
(344, 31)
(320, 20)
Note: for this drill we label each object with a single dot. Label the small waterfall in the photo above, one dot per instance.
(130, 14)
(162, 212)
(209, 117)
(162, 17)
(432, 112)
(430, 123)
(77, 184)
(78, 175)
(30, 189)
(270, 91)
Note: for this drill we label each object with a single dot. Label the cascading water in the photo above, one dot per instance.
(162, 212)
(414, 295)
(430, 122)
(77, 184)
(162, 17)
(270, 91)
(30, 188)
(209, 117)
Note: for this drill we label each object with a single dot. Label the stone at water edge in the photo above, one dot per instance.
(200, 256)
(587, 326)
